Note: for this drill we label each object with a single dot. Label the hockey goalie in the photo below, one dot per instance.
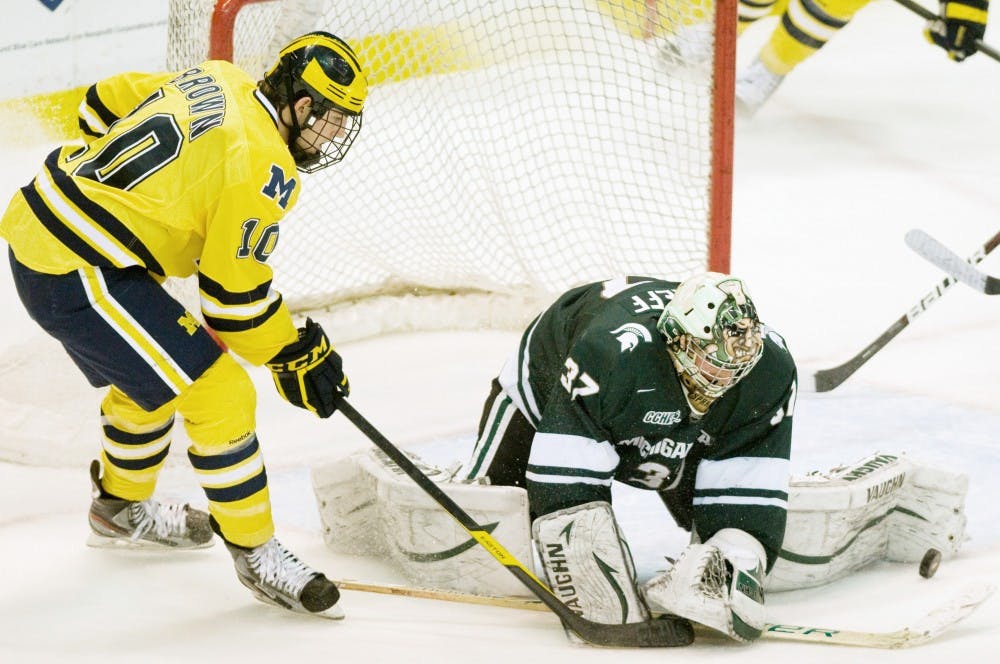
(676, 388)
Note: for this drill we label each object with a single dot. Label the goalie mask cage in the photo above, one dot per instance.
(511, 149)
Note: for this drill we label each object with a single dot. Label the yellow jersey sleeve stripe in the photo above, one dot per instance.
(217, 292)
(94, 117)
(243, 324)
(250, 310)
(93, 100)
(230, 311)
(89, 123)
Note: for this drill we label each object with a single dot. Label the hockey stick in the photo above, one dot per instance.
(950, 262)
(667, 631)
(928, 15)
(919, 632)
(827, 379)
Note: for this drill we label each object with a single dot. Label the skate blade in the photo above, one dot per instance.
(333, 613)
(104, 542)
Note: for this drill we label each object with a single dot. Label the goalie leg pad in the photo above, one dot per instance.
(587, 564)
(346, 498)
(884, 507)
(716, 584)
(930, 514)
(370, 507)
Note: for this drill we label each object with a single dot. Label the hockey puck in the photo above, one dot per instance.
(929, 564)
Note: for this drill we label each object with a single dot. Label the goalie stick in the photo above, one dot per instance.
(825, 380)
(919, 632)
(928, 15)
(664, 632)
(950, 262)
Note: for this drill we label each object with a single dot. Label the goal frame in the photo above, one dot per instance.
(719, 227)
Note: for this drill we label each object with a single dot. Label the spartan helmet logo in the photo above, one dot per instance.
(628, 336)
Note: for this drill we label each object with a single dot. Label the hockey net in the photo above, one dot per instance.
(511, 149)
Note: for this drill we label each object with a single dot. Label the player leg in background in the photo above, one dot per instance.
(804, 26)
(688, 28)
(123, 330)
(653, 19)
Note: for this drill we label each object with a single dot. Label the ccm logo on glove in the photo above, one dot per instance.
(309, 373)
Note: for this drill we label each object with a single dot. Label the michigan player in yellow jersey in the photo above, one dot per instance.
(178, 174)
(804, 26)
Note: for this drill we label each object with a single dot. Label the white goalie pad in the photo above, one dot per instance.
(884, 507)
(587, 564)
(369, 507)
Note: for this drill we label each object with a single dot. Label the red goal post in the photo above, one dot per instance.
(511, 149)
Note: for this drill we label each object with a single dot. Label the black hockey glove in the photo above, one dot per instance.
(960, 24)
(308, 373)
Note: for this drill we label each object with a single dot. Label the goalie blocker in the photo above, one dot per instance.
(884, 507)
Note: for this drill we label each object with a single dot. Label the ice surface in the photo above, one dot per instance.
(878, 134)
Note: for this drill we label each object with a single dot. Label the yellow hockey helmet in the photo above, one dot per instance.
(324, 68)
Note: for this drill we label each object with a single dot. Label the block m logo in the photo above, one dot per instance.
(278, 188)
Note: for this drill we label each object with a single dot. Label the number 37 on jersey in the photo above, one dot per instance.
(577, 383)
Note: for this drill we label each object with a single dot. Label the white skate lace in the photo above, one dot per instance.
(164, 520)
(278, 567)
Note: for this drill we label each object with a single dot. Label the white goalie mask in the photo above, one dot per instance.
(712, 331)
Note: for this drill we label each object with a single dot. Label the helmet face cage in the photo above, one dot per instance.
(323, 68)
(313, 150)
(712, 331)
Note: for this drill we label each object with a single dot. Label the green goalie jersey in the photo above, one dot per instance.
(593, 376)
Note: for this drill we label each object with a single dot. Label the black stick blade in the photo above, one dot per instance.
(662, 632)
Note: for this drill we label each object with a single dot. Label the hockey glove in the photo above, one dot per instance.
(717, 584)
(308, 373)
(960, 24)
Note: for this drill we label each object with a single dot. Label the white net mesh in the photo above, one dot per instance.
(510, 149)
(509, 146)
